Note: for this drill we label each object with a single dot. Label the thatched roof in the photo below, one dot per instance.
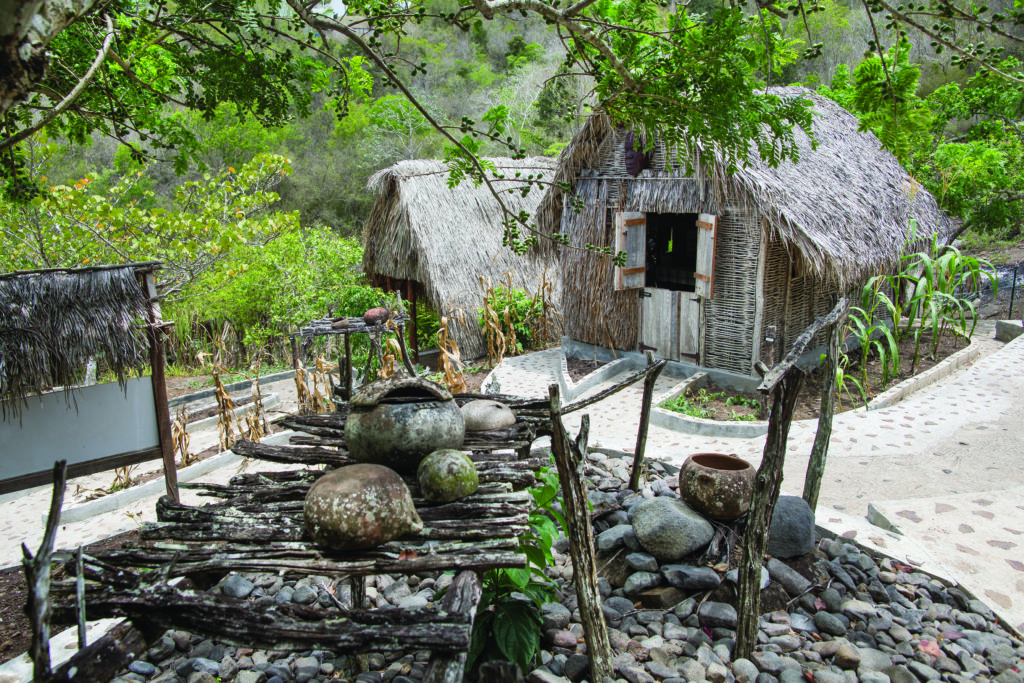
(52, 322)
(445, 238)
(845, 206)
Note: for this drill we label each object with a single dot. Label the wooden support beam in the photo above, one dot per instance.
(653, 371)
(819, 451)
(762, 505)
(156, 358)
(783, 383)
(570, 463)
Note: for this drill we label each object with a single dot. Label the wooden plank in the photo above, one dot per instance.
(657, 328)
(689, 325)
(462, 598)
(631, 237)
(103, 659)
(705, 274)
(155, 333)
(81, 469)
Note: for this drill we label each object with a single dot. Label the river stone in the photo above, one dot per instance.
(446, 475)
(668, 529)
(689, 577)
(792, 531)
(482, 414)
(377, 315)
(359, 506)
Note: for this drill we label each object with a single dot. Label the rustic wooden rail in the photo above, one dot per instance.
(255, 524)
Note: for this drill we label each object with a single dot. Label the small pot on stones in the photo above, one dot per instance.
(398, 421)
(716, 485)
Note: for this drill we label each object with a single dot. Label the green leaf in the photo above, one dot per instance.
(517, 631)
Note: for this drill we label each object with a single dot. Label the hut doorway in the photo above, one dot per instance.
(670, 256)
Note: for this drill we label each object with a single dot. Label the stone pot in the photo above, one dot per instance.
(716, 485)
(359, 506)
(396, 422)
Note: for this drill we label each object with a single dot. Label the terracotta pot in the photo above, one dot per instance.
(716, 485)
(399, 421)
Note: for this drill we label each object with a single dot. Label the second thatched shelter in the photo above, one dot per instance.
(427, 240)
(726, 270)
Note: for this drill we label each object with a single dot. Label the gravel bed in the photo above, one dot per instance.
(834, 614)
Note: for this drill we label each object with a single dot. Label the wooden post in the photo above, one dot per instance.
(413, 341)
(819, 452)
(404, 350)
(653, 371)
(37, 579)
(156, 359)
(348, 367)
(570, 462)
(462, 597)
(295, 353)
(80, 598)
(762, 505)
(783, 383)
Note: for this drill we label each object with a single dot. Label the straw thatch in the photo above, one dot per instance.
(845, 207)
(53, 322)
(445, 239)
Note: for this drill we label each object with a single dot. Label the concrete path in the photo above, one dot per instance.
(943, 465)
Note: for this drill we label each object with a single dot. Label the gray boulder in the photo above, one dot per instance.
(792, 531)
(668, 529)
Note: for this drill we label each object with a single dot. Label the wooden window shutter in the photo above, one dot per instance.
(705, 275)
(631, 237)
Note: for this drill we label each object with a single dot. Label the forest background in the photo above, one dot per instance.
(258, 220)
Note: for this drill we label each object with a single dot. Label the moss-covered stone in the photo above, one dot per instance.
(359, 506)
(446, 475)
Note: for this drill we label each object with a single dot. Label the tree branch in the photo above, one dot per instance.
(71, 96)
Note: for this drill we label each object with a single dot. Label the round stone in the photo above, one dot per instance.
(359, 506)
(482, 415)
(446, 475)
(669, 529)
(792, 530)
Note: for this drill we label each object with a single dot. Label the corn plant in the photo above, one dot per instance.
(934, 300)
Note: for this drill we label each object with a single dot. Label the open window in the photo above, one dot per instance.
(671, 251)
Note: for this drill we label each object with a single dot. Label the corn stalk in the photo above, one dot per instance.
(449, 361)
(180, 438)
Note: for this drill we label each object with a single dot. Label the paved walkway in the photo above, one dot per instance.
(944, 466)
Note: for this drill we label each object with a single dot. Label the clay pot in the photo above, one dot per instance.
(396, 422)
(359, 506)
(481, 415)
(375, 316)
(447, 475)
(716, 485)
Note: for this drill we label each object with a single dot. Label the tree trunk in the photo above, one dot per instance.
(570, 460)
(759, 520)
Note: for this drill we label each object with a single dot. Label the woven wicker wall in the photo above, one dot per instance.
(729, 315)
(776, 279)
(592, 310)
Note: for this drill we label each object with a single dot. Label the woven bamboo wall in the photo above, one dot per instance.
(776, 279)
(592, 310)
(729, 315)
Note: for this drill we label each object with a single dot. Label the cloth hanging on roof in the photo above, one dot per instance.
(636, 159)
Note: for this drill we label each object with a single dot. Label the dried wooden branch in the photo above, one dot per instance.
(650, 378)
(569, 459)
(37, 579)
(462, 598)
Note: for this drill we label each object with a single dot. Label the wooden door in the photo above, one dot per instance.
(670, 322)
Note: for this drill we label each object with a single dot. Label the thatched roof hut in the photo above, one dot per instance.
(781, 241)
(53, 321)
(442, 240)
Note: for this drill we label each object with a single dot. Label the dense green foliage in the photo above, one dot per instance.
(233, 141)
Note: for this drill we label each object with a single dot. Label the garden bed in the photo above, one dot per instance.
(713, 402)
